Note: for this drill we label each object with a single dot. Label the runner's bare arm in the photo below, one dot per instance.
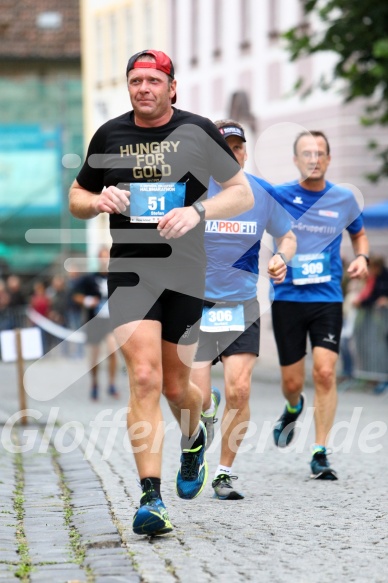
(277, 268)
(235, 198)
(359, 266)
(84, 204)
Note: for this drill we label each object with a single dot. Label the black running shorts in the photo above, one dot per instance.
(214, 345)
(131, 300)
(294, 321)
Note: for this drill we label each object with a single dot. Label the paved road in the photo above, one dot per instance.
(66, 510)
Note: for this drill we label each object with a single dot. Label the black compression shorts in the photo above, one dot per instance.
(294, 321)
(214, 345)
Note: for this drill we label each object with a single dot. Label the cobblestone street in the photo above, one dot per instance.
(66, 510)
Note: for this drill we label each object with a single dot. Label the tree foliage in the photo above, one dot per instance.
(357, 31)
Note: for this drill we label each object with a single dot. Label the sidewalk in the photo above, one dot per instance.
(68, 496)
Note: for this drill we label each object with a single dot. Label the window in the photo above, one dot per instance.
(173, 15)
(217, 94)
(194, 32)
(113, 45)
(217, 28)
(99, 50)
(273, 81)
(49, 20)
(304, 25)
(273, 20)
(129, 45)
(245, 25)
(148, 24)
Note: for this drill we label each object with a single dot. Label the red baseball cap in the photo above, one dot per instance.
(162, 63)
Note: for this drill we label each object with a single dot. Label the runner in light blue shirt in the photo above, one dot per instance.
(230, 327)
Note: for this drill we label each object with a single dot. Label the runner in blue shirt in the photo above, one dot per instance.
(230, 327)
(310, 300)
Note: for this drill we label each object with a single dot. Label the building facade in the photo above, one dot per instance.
(40, 122)
(230, 61)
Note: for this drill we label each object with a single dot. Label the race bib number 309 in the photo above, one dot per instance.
(150, 201)
(311, 268)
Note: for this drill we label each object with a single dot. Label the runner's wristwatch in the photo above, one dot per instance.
(282, 256)
(366, 257)
(200, 210)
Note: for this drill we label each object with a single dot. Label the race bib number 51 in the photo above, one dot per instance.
(150, 201)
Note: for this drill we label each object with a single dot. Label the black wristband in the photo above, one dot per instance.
(198, 206)
(282, 256)
(364, 256)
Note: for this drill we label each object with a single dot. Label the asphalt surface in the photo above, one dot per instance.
(68, 491)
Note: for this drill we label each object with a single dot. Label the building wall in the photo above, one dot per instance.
(111, 32)
(40, 87)
(235, 47)
(229, 59)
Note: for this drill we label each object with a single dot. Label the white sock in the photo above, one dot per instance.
(223, 470)
(211, 409)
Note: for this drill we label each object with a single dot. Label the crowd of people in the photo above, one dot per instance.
(186, 223)
(71, 301)
(51, 298)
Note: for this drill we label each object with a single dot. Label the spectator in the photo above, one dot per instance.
(375, 291)
(74, 310)
(4, 307)
(91, 292)
(40, 302)
(56, 292)
(17, 301)
(374, 296)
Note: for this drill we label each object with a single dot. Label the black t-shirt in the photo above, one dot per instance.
(188, 149)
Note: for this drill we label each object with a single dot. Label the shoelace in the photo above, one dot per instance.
(226, 478)
(148, 497)
(321, 457)
(189, 465)
(149, 493)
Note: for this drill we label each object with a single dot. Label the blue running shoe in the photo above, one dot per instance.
(192, 476)
(320, 467)
(152, 517)
(283, 432)
(210, 420)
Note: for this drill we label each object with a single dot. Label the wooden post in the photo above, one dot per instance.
(20, 367)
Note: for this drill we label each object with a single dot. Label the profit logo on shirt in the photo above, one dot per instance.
(232, 227)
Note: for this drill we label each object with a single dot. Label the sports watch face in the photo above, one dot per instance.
(200, 210)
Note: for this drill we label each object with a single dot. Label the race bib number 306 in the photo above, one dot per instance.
(311, 268)
(225, 319)
(150, 201)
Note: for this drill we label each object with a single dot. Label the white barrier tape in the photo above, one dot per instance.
(55, 329)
